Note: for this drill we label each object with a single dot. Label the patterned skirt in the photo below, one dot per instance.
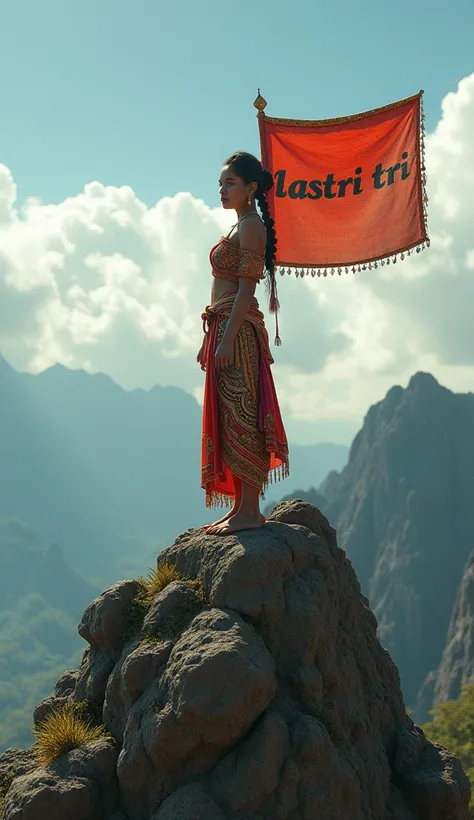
(242, 443)
(242, 431)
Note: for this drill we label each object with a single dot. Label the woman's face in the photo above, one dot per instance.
(232, 189)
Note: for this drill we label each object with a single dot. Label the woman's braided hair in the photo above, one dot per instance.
(250, 169)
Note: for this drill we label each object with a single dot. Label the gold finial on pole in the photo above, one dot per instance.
(260, 103)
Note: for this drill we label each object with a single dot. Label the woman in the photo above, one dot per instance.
(244, 445)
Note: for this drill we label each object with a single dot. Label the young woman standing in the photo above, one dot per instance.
(244, 445)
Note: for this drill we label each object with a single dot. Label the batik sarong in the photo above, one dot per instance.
(242, 430)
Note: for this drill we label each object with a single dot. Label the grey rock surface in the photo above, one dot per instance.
(174, 599)
(18, 761)
(62, 695)
(96, 666)
(67, 683)
(44, 794)
(96, 763)
(103, 621)
(46, 706)
(276, 701)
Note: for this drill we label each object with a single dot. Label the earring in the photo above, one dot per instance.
(249, 201)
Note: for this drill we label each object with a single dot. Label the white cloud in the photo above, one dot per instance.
(101, 279)
(102, 282)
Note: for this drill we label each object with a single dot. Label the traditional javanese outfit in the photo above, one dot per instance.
(242, 429)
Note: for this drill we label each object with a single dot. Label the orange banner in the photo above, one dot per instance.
(347, 192)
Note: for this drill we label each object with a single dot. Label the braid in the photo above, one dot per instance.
(250, 169)
(270, 251)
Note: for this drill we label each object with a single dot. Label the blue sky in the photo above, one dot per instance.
(155, 94)
(97, 95)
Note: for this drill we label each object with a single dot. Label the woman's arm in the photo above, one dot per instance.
(240, 308)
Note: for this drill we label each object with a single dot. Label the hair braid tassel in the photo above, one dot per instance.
(274, 305)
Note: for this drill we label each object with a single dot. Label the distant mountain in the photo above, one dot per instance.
(28, 564)
(97, 469)
(41, 601)
(403, 508)
(309, 466)
(111, 475)
(311, 496)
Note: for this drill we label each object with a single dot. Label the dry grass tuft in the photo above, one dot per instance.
(61, 732)
(158, 579)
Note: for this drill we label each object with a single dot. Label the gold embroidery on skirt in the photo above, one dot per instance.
(243, 444)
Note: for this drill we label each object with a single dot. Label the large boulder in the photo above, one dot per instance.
(81, 785)
(103, 622)
(62, 695)
(45, 794)
(268, 697)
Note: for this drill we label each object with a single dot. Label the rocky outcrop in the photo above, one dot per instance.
(82, 785)
(62, 694)
(266, 697)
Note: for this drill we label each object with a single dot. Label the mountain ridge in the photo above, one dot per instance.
(75, 442)
(402, 507)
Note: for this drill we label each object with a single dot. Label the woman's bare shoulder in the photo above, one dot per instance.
(252, 233)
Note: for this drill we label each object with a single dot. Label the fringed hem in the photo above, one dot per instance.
(215, 500)
(276, 474)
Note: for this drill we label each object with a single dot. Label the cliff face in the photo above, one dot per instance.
(253, 688)
(404, 514)
(457, 664)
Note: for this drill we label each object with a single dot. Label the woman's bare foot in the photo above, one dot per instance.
(237, 522)
(225, 517)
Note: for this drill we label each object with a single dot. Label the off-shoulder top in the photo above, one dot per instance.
(229, 261)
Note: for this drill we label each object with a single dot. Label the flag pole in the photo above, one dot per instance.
(260, 104)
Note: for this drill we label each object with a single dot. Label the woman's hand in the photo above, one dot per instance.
(200, 356)
(224, 355)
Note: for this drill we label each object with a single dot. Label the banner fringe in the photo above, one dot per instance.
(357, 267)
(327, 270)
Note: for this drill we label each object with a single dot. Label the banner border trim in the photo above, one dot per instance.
(339, 120)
